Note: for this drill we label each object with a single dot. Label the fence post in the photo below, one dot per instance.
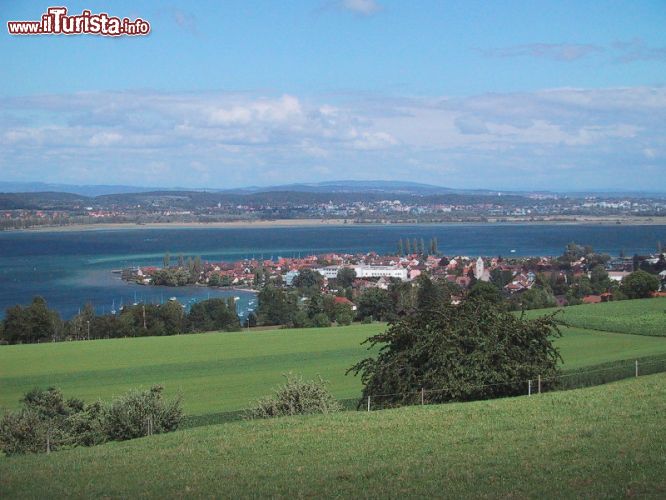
(539, 384)
(368, 403)
(637, 368)
(529, 387)
(422, 395)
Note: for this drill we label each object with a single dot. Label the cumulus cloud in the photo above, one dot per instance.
(533, 139)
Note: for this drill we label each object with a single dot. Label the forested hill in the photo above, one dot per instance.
(198, 199)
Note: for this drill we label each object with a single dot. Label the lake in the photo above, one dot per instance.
(70, 269)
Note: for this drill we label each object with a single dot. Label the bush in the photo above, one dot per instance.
(86, 427)
(47, 422)
(22, 432)
(320, 320)
(344, 316)
(141, 413)
(296, 397)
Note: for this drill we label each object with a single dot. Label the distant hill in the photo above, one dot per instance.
(343, 186)
(83, 190)
(200, 199)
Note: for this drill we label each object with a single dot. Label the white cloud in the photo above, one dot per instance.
(239, 139)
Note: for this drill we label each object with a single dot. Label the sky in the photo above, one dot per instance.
(508, 95)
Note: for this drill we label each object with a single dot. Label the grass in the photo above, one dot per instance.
(219, 373)
(581, 348)
(214, 372)
(638, 317)
(606, 441)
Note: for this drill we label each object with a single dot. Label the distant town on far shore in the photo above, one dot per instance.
(344, 202)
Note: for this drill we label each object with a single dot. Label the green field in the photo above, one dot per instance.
(603, 442)
(639, 317)
(580, 348)
(221, 372)
(215, 372)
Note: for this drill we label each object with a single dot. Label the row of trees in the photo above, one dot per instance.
(417, 246)
(289, 308)
(38, 323)
(637, 285)
(185, 272)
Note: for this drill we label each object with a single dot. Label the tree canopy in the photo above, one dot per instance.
(470, 351)
(639, 285)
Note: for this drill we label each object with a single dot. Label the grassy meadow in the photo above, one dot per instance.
(214, 372)
(602, 442)
(220, 372)
(638, 317)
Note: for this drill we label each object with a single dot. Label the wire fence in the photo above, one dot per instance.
(571, 379)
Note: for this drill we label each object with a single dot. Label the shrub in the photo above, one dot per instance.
(47, 422)
(43, 424)
(296, 397)
(344, 316)
(86, 427)
(141, 413)
(22, 432)
(320, 320)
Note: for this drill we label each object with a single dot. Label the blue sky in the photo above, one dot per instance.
(501, 95)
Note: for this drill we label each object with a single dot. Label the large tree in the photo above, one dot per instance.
(470, 351)
(346, 277)
(208, 315)
(639, 285)
(31, 324)
(276, 307)
(308, 278)
(374, 303)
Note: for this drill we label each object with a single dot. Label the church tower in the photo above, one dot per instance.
(478, 269)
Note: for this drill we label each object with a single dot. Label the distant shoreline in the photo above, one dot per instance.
(286, 223)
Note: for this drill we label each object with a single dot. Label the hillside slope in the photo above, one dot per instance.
(606, 441)
(228, 371)
(637, 317)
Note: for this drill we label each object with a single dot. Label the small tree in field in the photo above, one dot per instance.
(471, 351)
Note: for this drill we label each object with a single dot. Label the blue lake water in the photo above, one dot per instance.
(71, 268)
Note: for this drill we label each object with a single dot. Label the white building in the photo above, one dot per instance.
(329, 272)
(618, 275)
(289, 277)
(381, 272)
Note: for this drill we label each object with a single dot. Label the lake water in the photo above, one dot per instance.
(71, 268)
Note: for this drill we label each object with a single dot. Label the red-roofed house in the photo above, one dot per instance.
(345, 301)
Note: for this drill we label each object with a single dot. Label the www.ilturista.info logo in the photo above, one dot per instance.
(56, 22)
